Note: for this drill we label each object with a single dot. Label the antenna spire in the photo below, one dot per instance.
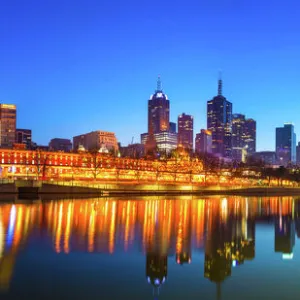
(159, 84)
(220, 84)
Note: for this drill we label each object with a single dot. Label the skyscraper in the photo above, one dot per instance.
(185, 131)
(298, 154)
(219, 113)
(243, 137)
(250, 136)
(173, 127)
(8, 115)
(158, 111)
(203, 141)
(159, 135)
(286, 144)
(238, 136)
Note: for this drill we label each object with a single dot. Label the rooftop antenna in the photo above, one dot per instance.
(159, 89)
(220, 84)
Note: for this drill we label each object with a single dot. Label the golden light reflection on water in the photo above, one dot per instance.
(225, 227)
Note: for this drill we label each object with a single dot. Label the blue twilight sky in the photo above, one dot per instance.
(75, 66)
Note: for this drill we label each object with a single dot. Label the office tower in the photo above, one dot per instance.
(185, 132)
(158, 110)
(24, 136)
(159, 136)
(173, 127)
(219, 113)
(250, 136)
(96, 140)
(286, 144)
(243, 137)
(203, 141)
(238, 136)
(298, 154)
(8, 113)
(60, 145)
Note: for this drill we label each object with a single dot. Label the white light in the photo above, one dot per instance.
(287, 256)
(234, 263)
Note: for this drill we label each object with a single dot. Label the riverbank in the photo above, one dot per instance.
(103, 190)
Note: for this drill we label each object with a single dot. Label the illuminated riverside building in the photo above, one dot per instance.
(203, 141)
(159, 133)
(286, 144)
(185, 132)
(96, 140)
(76, 166)
(8, 117)
(219, 114)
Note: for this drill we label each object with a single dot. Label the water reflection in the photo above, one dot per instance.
(160, 228)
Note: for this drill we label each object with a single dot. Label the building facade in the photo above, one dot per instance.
(203, 141)
(185, 132)
(243, 137)
(24, 136)
(58, 144)
(298, 154)
(8, 117)
(173, 127)
(96, 140)
(164, 141)
(219, 114)
(286, 144)
(266, 157)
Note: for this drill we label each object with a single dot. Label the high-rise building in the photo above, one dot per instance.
(219, 113)
(298, 153)
(159, 134)
(60, 145)
(285, 144)
(96, 140)
(243, 137)
(158, 110)
(250, 136)
(203, 141)
(173, 127)
(8, 116)
(185, 131)
(24, 136)
(238, 136)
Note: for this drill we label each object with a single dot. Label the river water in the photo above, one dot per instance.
(151, 248)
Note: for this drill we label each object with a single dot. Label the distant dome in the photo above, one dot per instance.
(159, 95)
(81, 148)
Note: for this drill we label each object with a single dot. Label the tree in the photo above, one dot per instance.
(40, 161)
(95, 162)
(210, 164)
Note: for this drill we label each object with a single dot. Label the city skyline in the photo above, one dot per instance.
(65, 68)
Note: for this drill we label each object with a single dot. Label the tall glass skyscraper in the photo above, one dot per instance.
(219, 114)
(285, 144)
(243, 137)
